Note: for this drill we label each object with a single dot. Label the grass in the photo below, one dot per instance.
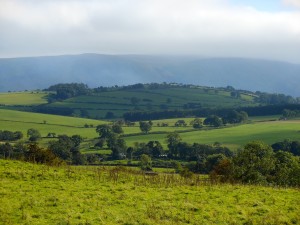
(119, 101)
(37, 194)
(23, 98)
(234, 137)
(22, 121)
(263, 128)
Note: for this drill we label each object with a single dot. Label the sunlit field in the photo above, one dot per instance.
(38, 194)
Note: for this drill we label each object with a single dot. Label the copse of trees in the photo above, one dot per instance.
(68, 90)
(6, 135)
(30, 153)
(274, 99)
(213, 120)
(235, 117)
(153, 149)
(196, 123)
(292, 147)
(288, 114)
(110, 135)
(257, 163)
(262, 110)
(36, 154)
(180, 123)
(67, 148)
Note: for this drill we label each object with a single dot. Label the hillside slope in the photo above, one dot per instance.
(38, 194)
(107, 70)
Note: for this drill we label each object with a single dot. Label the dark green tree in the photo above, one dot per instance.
(197, 123)
(33, 134)
(117, 128)
(77, 139)
(155, 148)
(214, 121)
(287, 169)
(104, 130)
(180, 123)
(6, 150)
(145, 126)
(254, 163)
(173, 139)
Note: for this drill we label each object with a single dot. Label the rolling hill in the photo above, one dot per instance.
(118, 102)
(106, 70)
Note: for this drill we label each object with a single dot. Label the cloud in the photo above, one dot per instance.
(212, 28)
(295, 3)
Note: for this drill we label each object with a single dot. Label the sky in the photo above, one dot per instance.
(268, 29)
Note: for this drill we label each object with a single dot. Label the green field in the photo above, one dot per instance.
(22, 121)
(119, 101)
(23, 98)
(38, 194)
(233, 137)
(237, 136)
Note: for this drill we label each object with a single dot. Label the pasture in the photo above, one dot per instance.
(23, 98)
(39, 194)
(236, 136)
(120, 101)
(22, 121)
(265, 129)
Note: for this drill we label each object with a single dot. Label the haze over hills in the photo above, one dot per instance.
(107, 70)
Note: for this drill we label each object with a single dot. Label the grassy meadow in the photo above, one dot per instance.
(39, 194)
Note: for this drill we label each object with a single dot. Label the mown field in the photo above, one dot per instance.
(38, 194)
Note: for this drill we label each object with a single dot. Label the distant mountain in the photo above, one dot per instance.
(107, 70)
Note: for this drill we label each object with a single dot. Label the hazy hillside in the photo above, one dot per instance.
(106, 70)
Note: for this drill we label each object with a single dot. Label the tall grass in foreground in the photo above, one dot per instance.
(39, 194)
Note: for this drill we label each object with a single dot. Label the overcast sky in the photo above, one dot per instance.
(237, 28)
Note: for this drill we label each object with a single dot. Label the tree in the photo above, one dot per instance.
(213, 121)
(180, 123)
(145, 126)
(33, 134)
(287, 169)
(118, 148)
(77, 139)
(155, 148)
(62, 148)
(254, 163)
(104, 130)
(117, 128)
(10, 136)
(6, 150)
(129, 152)
(145, 163)
(40, 155)
(18, 135)
(173, 139)
(236, 117)
(197, 123)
